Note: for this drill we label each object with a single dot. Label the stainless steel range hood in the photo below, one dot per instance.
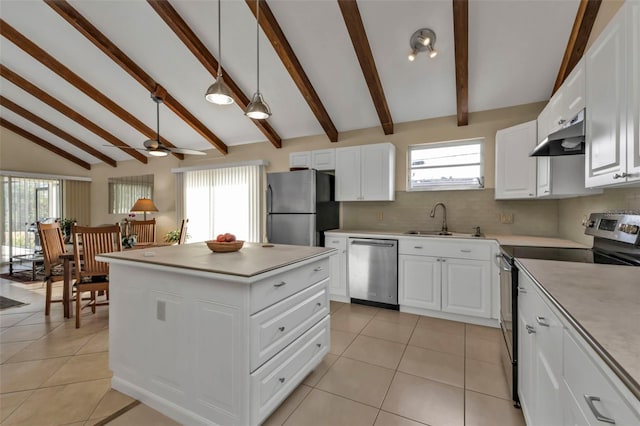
(567, 141)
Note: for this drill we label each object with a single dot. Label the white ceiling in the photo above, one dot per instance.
(515, 50)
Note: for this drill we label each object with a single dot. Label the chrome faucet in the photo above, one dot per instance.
(444, 230)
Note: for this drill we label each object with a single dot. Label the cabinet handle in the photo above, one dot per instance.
(465, 251)
(281, 379)
(417, 247)
(542, 321)
(281, 328)
(546, 191)
(318, 304)
(318, 269)
(531, 194)
(438, 260)
(561, 121)
(319, 345)
(522, 290)
(594, 410)
(280, 284)
(530, 329)
(335, 241)
(619, 176)
(443, 260)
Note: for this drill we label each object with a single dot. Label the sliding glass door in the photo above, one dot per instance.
(24, 202)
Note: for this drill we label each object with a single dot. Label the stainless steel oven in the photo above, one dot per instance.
(616, 242)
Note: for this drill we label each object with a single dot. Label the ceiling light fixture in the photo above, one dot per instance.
(154, 147)
(258, 108)
(218, 93)
(422, 40)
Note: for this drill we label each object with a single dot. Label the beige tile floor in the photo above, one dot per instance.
(384, 368)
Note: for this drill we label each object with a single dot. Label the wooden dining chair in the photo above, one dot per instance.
(183, 231)
(91, 274)
(52, 243)
(145, 230)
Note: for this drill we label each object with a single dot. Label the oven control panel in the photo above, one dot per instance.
(614, 226)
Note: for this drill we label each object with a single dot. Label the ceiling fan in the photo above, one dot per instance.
(155, 147)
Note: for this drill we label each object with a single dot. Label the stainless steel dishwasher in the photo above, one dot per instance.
(373, 271)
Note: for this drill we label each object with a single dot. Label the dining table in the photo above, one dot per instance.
(68, 259)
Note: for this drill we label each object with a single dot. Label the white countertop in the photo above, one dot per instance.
(509, 240)
(251, 260)
(603, 303)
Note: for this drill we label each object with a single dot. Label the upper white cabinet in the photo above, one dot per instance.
(612, 148)
(321, 159)
(568, 100)
(365, 172)
(515, 170)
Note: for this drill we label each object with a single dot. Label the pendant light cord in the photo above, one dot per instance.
(219, 43)
(258, 44)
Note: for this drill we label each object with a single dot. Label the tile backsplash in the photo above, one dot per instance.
(465, 211)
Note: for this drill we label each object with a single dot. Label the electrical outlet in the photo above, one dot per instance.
(506, 218)
(379, 216)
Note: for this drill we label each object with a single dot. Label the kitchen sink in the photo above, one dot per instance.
(428, 233)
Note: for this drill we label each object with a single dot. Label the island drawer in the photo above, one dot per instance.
(271, 290)
(277, 326)
(272, 382)
(422, 246)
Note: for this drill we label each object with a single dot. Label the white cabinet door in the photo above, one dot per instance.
(466, 287)
(323, 159)
(544, 176)
(419, 281)
(377, 172)
(300, 159)
(556, 115)
(515, 170)
(633, 91)
(338, 266)
(525, 364)
(573, 90)
(348, 174)
(606, 105)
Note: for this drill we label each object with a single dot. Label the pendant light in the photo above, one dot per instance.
(219, 93)
(258, 108)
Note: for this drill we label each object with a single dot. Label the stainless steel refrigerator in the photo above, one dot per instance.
(300, 206)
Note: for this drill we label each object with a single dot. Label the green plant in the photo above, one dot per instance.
(65, 226)
(173, 236)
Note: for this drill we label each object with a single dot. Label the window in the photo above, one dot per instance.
(223, 200)
(125, 191)
(446, 166)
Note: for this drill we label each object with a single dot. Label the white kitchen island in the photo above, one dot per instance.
(217, 338)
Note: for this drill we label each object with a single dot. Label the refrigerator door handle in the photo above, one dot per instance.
(269, 199)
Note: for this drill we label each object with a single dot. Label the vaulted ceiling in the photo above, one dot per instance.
(78, 75)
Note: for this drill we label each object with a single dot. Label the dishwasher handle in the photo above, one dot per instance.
(371, 243)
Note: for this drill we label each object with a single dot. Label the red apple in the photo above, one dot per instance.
(229, 237)
(220, 238)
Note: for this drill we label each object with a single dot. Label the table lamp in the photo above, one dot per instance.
(144, 205)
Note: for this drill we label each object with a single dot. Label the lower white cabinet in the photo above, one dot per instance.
(419, 281)
(561, 380)
(447, 276)
(338, 268)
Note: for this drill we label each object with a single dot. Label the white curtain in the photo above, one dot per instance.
(222, 200)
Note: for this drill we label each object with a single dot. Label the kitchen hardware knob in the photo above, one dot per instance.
(281, 379)
(620, 176)
(522, 290)
(546, 191)
(531, 194)
(318, 304)
(444, 260)
(318, 269)
(438, 260)
(280, 284)
(465, 251)
(594, 410)
(417, 247)
(281, 328)
(319, 345)
(542, 321)
(530, 329)
(561, 121)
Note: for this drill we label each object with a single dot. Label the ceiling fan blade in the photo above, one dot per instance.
(187, 151)
(124, 147)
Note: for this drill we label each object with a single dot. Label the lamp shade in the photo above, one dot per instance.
(144, 205)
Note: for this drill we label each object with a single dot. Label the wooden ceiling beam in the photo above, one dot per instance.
(281, 45)
(577, 43)
(11, 34)
(86, 28)
(46, 145)
(7, 103)
(461, 40)
(54, 103)
(175, 22)
(360, 41)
